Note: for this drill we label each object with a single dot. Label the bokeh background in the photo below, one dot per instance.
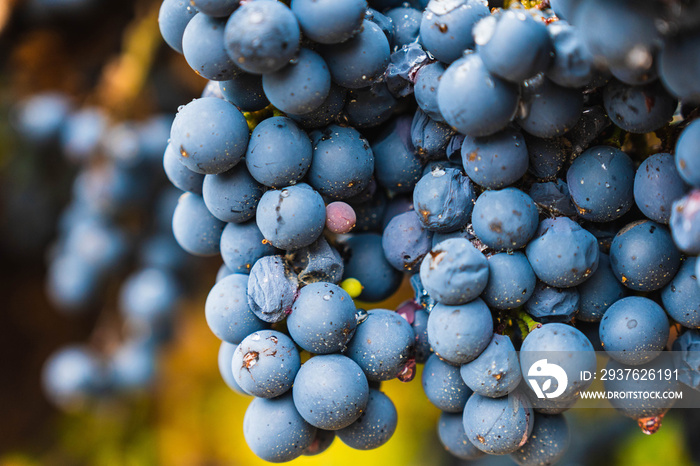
(108, 53)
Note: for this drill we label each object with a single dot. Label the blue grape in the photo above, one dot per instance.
(496, 371)
(406, 22)
(179, 175)
(454, 272)
(599, 292)
(547, 157)
(357, 62)
(222, 273)
(397, 166)
(684, 222)
(370, 106)
(328, 112)
(375, 426)
(505, 219)
(425, 89)
(657, 185)
(329, 21)
(71, 376)
(132, 366)
(498, 425)
(550, 304)
(321, 442)
(681, 297)
(40, 118)
(322, 319)
(300, 87)
(454, 439)
(564, 346)
(227, 312)
(242, 245)
(563, 254)
(279, 152)
(383, 21)
(173, 17)
(634, 330)
(572, 65)
(547, 443)
(495, 161)
(370, 214)
(382, 345)
(261, 37)
(513, 45)
(565, 9)
(149, 296)
(196, 230)
(292, 217)
(473, 101)
(429, 137)
(319, 262)
(601, 183)
(395, 206)
(405, 242)
(547, 109)
(330, 391)
(203, 48)
(420, 328)
(687, 161)
(553, 197)
(72, 284)
(443, 385)
(216, 8)
(445, 29)
(98, 243)
(225, 358)
(444, 199)
(511, 281)
(210, 134)
(232, 196)
(265, 363)
(342, 162)
(678, 64)
(638, 109)
(592, 332)
(686, 358)
(81, 133)
(272, 288)
(275, 431)
(245, 91)
(366, 263)
(643, 256)
(162, 251)
(458, 334)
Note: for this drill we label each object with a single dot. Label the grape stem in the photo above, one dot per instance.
(526, 323)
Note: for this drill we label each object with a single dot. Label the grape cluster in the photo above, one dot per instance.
(528, 165)
(115, 231)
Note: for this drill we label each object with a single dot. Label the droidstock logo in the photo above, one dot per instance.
(541, 369)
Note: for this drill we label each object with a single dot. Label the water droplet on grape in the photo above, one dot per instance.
(408, 372)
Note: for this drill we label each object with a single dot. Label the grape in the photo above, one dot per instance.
(318, 262)
(226, 351)
(132, 366)
(458, 334)
(572, 65)
(342, 162)
(495, 161)
(162, 251)
(216, 8)
(179, 175)
(505, 219)
(292, 217)
(382, 345)
(322, 319)
(443, 385)
(321, 442)
(634, 330)
(553, 197)
(454, 272)
(443, 199)
(420, 329)
(687, 161)
(367, 264)
(454, 439)
(71, 376)
(330, 391)
(425, 89)
(395, 206)
(473, 101)
(326, 113)
(196, 230)
(272, 288)
(383, 21)
(40, 118)
(678, 65)
(548, 110)
(638, 109)
(173, 17)
(406, 23)
(445, 27)
(203, 48)
(370, 214)
(222, 273)
(81, 133)
(227, 312)
(562, 254)
(643, 256)
(274, 429)
(261, 37)
(301, 86)
(601, 183)
(358, 61)
(340, 217)
(548, 442)
(232, 196)
(546, 156)
(681, 297)
(429, 137)
(370, 106)
(684, 222)
(265, 363)
(496, 371)
(375, 426)
(242, 244)
(405, 242)
(657, 185)
(210, 134)
(245, 91)
(149, 296)
(498, 425)
(98, 243)
(397, 166)
(685, 357)
(599, 292)
(329, 21)
(565, 346)
(511, 281)
(513, 45)
(550, 304)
